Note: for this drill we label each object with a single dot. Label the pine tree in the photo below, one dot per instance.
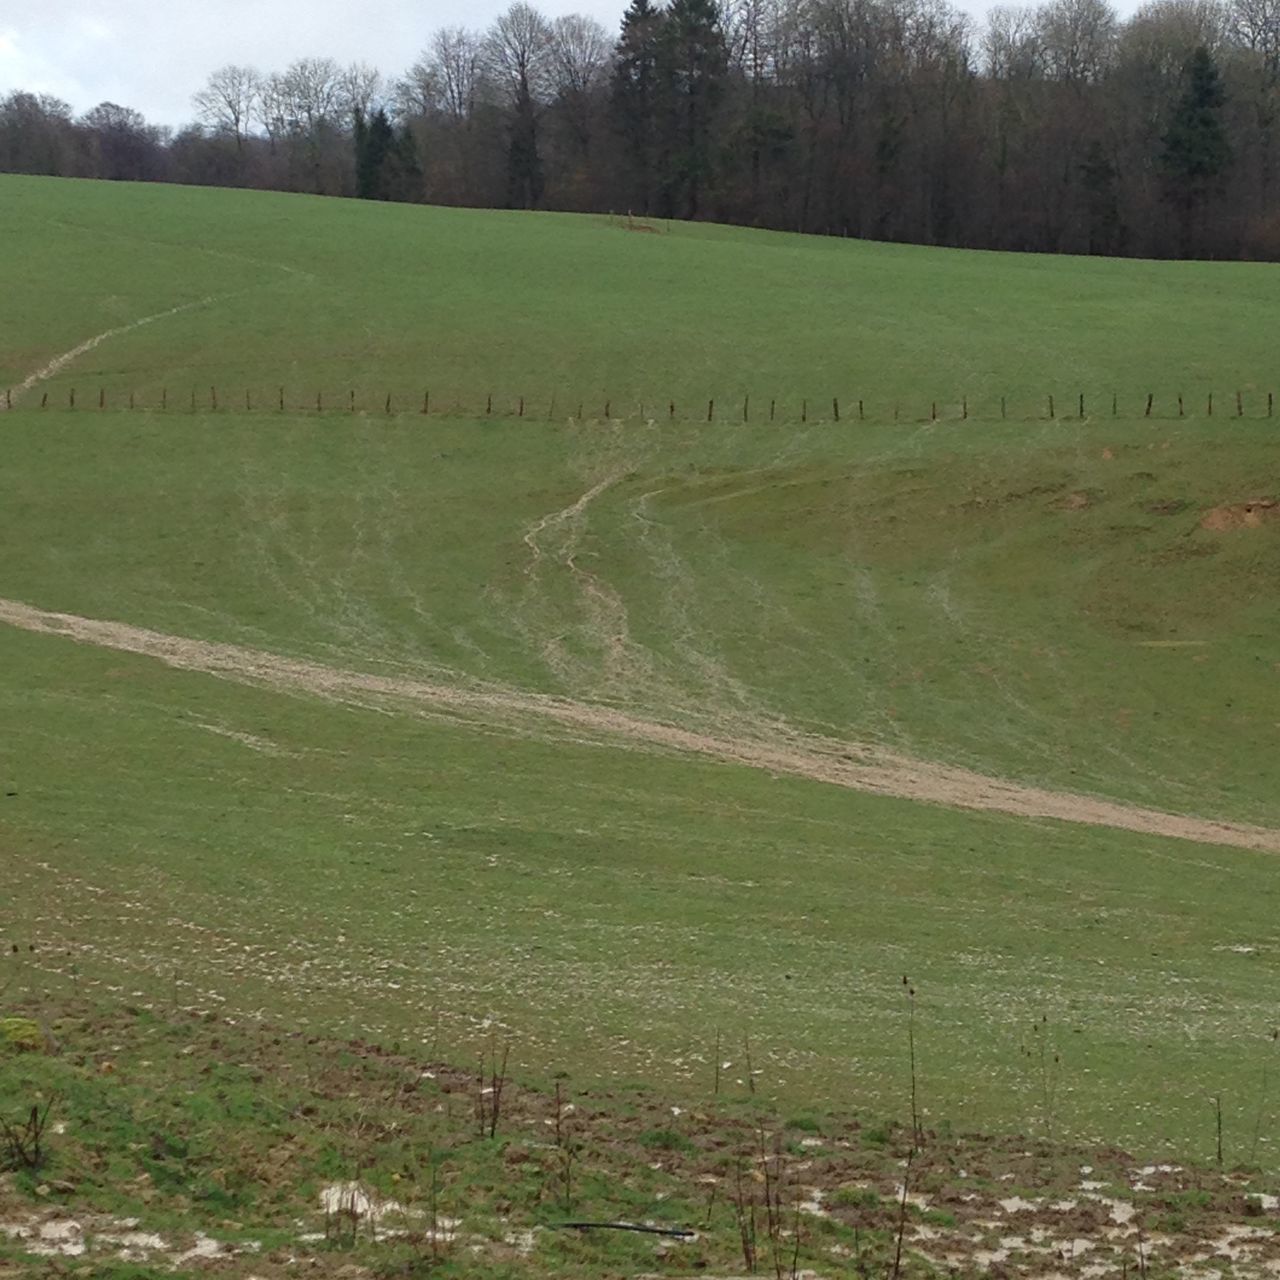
(633, 96)
(374, 140)
(1196, 150)
(694, 66)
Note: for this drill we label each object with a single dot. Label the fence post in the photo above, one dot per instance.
(1210, 413)
(1002, 406)
(488, 405)
(606, 409)
(281, 399)
(711, 409)
(746, 409)
(1051, 413)
(44, 400)
(772, 406)
(1239, 405)
(671, 411)
(964, 408)
(213, 398)
(71, 400)
(426, 402)
(388, 401)
(520, 411)
(804, 411)
(861, 415)
(1114, 403)
(1150, 400)
(933, 411)
(102, 398)
(248, 403)
(835, 408)
(319, 403)
(1082, 404)
(1180, 410)
(130, 399)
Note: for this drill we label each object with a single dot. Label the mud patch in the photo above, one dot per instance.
(1242, 515)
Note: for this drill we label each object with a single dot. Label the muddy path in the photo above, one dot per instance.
(857, 766)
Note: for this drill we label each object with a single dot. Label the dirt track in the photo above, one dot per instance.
(845, 764)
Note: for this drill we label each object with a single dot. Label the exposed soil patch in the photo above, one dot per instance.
(855, 765)
(496, 1206)
(1242, 515)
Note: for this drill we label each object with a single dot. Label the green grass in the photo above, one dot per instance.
(334, 295)
(1031, 599)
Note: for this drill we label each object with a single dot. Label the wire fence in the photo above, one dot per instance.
(742, 408)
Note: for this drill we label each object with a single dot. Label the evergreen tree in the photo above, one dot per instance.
(374, 142)
(693, 64)
(1196, 150)
(633, 97)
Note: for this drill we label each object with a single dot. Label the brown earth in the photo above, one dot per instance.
(857, 766)
(1242, 515)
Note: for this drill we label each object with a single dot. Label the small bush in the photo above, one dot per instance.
(21, 1035)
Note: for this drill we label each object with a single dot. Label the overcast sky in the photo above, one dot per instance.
(154, 54)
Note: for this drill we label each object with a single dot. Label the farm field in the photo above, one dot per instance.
(641, 744)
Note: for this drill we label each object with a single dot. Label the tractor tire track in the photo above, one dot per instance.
(846, 764)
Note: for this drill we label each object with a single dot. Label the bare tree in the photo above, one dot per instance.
(1012, 46)
(229, 101)
(517, 54)
(1078, 39)
(362, 88)
(458, 62)
(1255, 25)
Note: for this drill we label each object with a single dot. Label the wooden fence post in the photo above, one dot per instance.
(193, 399)
(711, 409)
(1082, 404)
(1181, 414)
(71, 400)
(44, 400)
(1051, 413)
(520, 411)
(488, 406)
(933, 411)
(1150, 400)
(606, 410)
(804, 411)
(1210, 406)
(1270, 403)
(102, 398)
(1239, 405)
(746, 409)
(861, 415)
(248, 402)
(351, 400)
(1114, 404)
(213, 398)
(964, 408)
(388, 401)
(1002, 406)
(426, 402)
(772, 407)
(671, 411)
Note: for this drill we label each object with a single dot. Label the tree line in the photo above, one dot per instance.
(1060, 128)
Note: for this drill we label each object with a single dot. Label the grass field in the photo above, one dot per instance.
(443, 731)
